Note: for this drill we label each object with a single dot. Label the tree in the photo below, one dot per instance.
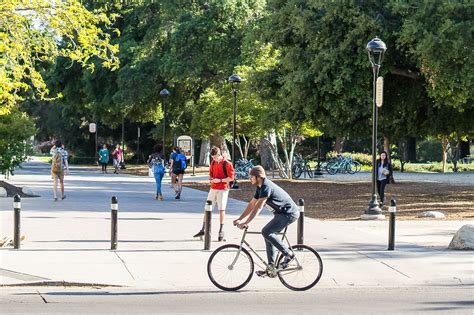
(39, 31)
(15, 129)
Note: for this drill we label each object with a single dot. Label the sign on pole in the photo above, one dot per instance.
(92, 127)
(379, 92)
(186, 145)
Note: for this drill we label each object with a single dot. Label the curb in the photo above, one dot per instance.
(60, 284)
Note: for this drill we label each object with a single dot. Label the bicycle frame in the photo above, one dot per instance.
(243, 241)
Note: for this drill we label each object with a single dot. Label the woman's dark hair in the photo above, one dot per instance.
(57, 143)
(386, 155)
(177, 150)
(157, 148)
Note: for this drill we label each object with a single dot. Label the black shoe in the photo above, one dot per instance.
(178, 196)
(261, 273)
(199, 234)
(221, 238)
(286, 261)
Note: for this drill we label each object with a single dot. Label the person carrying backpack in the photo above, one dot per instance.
(59, 166)
(177, 167)
(157, 165)
(221, 174)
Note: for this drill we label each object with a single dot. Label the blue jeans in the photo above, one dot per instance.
(272, 240)
(158, 178)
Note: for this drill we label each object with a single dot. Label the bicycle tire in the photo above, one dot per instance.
(228, 260)
(350, 168)
(296, 171)
(332, 169)
(303, 253)
(310, 171)
(358, 166)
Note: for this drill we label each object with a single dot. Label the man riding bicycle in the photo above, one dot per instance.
(285, 212)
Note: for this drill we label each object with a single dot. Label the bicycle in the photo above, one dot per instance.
(231, 267)
(301, 166)
(342, 165)
(242, 168)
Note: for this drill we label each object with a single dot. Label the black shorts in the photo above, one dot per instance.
(177, 172)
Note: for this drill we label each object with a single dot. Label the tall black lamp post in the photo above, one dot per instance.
(164, 93)
(234, 81)
(376, 49)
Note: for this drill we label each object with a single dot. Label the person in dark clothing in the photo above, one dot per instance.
(285, 212)
(384, 173)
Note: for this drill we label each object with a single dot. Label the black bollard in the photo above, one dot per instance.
(207, 228)
(300, 233)
(114, 217)
(16, 217)
(391, 230)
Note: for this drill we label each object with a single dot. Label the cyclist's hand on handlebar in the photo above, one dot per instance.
(240, 224)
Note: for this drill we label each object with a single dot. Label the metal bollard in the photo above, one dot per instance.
(300, 234)
(114, 217)
(391, 230)
(16, 217)
(207, 228)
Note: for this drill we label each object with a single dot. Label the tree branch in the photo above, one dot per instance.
(406, 73)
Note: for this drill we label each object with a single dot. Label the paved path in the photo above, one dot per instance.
(69, 240)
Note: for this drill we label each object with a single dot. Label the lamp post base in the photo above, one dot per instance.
(234, 185)
(373, 212)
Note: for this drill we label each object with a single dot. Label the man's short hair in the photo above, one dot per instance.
(258, 171)
(57, 143)
(215, 151)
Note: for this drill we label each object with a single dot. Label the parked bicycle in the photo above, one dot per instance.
(301, 166)
(342, 164)
(242, 168)
(231, 266)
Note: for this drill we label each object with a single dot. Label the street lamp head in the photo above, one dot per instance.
(235, 80)
(376, 49)
(164, 92)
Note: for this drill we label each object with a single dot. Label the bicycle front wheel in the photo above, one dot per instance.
(304, 271)
(230, 267)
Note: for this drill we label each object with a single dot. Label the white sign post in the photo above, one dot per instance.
(92, 127)
(379, 92)
(186, 144)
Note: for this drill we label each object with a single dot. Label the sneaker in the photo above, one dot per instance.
(156, 197)
(261, 273)
(55, 199)
(286, 261)
(178, 196)
(199, 234)
(221, 238)
(63, 197)
(160, 197)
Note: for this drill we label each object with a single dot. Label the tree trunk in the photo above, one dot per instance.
(464, 148)
(444, 146)
(386, 145)
(401, 154)
(219, 141)
(266, 158)
(411, 149)
(273, 149)
(204, 155)
(238, 144)
(338, 145)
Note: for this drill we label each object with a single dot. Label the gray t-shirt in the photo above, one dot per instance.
(277, 199)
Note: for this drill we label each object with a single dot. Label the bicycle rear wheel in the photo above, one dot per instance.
(230, 267)
(304, 271)
(296, 171)
(310, 171)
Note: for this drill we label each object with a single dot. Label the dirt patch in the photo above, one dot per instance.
(348, 201)
(13, 190)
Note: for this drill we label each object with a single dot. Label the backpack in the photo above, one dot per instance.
(57, 163)
(156, 164)
(180, 162)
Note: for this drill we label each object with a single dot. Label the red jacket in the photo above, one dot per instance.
(216, 170)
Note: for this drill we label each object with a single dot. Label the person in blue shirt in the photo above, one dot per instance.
(104, 158)
(285, 212)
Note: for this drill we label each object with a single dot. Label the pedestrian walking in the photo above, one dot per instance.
(59, 166)
(221, 174)
(177, 167)
(104, 158)
(117, 158)
(384, 173)
(285, 212)
(156, 163)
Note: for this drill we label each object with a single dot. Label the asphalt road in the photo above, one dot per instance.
(429, 300)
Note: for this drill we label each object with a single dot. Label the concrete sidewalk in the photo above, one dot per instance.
(68, 241)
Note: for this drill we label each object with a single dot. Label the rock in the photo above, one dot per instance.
(3, 192)
(28, 191)
(464, 238)
(433, 214)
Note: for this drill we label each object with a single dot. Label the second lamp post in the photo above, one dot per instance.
(164, 93)
(234, 81)
(376, 50)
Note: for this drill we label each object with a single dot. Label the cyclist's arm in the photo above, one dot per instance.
(256, 210)
(247, 210)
